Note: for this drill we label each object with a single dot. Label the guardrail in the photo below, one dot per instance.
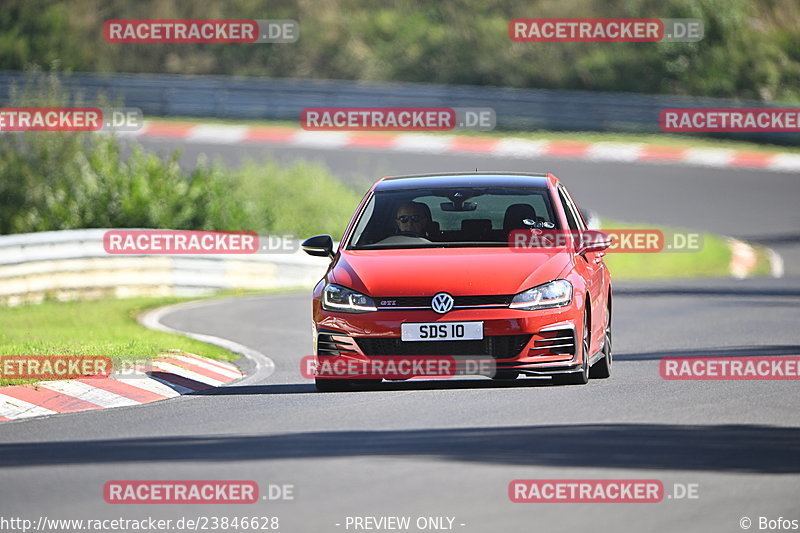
(73, 264)
(284, 98)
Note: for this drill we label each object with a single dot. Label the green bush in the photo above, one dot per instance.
(302, 199)
(68, 180)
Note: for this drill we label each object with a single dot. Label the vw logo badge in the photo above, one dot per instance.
(442, 303)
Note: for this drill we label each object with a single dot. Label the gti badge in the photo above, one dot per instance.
(442, 303)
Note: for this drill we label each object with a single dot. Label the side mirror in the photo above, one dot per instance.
(319, 246)
(593, 241)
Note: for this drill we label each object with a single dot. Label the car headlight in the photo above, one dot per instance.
(554, 294)
(344, 300)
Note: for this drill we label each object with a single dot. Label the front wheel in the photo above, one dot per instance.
(582, 377)
(332, 385)
(505, 375)
(602, 368)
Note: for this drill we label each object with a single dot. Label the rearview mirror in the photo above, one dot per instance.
(463, 206)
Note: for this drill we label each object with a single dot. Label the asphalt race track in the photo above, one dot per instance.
(450, 449)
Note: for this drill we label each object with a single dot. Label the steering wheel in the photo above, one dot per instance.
(410, 234)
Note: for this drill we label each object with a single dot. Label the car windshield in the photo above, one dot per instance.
(452, 217)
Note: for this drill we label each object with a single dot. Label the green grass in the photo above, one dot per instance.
(712, 260)
(660, 139)
(97, 327)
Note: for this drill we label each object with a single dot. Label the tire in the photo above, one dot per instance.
(332, 385)
(602, 368)
(505, 375)
(582, 377)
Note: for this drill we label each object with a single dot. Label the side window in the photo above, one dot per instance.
(573, 224)
(575, 213)
(366, 216)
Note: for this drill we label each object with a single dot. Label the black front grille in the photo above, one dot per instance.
(425, 301)
(483, 300)
(497, 346)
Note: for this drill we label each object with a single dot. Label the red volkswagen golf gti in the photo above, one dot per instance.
(430, 266)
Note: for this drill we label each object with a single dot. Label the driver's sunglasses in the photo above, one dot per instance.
(405, 219)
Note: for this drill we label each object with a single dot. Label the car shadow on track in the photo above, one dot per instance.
(723, 448)
(305, 388)
(772, 240)
(731, 351)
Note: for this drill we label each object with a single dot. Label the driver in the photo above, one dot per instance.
(413, 217)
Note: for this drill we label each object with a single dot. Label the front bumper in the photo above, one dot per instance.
(542, 342)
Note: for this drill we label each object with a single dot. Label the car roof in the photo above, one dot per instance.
(465, 179)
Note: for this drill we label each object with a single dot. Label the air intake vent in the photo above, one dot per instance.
(333, 344)
(555, 342)
(497, 346)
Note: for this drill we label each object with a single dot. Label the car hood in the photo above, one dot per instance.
(458, 271)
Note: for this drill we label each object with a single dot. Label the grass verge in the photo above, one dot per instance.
(93, 327)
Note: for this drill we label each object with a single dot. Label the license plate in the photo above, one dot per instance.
(441, 331)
